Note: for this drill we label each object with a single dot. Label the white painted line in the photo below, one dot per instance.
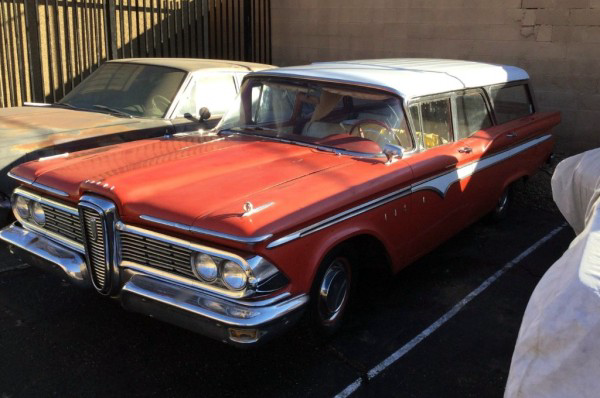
(447, 316)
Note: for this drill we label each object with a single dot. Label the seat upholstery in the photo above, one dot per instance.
(322, 129)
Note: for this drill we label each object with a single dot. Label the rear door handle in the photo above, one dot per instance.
(465, 149)
(511, 135)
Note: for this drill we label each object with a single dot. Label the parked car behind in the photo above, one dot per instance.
(123, 100)
(319, 170)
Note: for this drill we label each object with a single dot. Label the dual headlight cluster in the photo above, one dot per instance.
(216, 270)
(29, 209)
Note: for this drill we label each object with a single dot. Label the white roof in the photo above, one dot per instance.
(408, 77)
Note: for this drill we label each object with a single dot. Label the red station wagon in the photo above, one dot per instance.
(315, 170)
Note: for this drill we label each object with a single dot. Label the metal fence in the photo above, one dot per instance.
(49, 46)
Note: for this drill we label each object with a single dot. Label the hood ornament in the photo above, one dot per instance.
(249, 208)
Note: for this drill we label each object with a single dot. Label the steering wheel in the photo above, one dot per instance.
(160, 103)
(358, 125)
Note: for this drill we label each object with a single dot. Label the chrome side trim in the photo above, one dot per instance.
(442, 183)
(19, 178)
(341, 217)
(38, 185)
(439, 184)
(207, 232)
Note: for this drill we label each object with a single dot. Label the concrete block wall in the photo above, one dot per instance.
(556, 41)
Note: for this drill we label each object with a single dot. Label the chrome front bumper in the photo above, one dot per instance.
(236, 322)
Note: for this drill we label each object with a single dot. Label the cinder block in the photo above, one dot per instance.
(543, 33)
(528, 18)
(585, 17)
(539, 3)
(504, 32)
(552, 16)
(584, 51)
(573, 3)
(561, 33)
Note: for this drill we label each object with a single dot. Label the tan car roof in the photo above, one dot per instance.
(194, 64)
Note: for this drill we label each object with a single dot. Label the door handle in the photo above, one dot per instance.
(465, 149)
(511, 135)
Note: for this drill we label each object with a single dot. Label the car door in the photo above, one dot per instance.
(215, 91)
(515, 146)
(437, 200)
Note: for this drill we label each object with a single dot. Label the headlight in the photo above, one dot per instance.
(37, 213)
(22, 207)
(234, 276)
(205, 267)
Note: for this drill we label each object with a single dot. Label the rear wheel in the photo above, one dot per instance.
(330, 294)
(503, 205)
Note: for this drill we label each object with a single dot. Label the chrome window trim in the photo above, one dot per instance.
(170, 114)
(49, 234)
(439, 184)
(43, 187)
(207, 232)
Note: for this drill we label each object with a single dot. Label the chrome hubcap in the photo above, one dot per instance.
(333, 292)
(502, 202)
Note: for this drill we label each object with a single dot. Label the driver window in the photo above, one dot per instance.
(433, 122)
(216, 92)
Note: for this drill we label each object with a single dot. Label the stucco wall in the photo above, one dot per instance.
(556, 41)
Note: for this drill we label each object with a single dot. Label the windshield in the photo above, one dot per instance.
(136, 90)
(323, 114)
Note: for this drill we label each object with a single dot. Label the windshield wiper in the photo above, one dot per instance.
(257, 128)
(66, 105)
(113, 110)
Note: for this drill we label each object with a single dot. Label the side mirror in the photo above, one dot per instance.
(204, 113)
(392, 153)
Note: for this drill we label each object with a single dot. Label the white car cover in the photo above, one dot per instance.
(558, 348)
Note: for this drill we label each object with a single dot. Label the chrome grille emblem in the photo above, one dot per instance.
(93, 231)
(98, 217)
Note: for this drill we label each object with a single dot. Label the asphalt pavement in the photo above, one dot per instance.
(57, 340)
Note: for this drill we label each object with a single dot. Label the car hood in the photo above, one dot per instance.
(205, 182)
(25, 129)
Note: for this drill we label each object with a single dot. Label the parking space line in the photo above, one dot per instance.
(447, 316)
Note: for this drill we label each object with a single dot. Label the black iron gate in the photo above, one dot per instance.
(48, 46)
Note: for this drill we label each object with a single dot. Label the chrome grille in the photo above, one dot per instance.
(156, 254)
(63, 223)
(96, 250)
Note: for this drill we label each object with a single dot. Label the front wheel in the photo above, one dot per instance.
(330, 294)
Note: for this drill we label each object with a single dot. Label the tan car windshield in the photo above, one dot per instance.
(322, 114)
(137, 90)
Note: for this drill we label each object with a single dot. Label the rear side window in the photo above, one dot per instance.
(511, 102)
(433, 122)
(471, 114)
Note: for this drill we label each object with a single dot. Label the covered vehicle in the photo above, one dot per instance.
(557, 352)
(123, 100)
(318, 171)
